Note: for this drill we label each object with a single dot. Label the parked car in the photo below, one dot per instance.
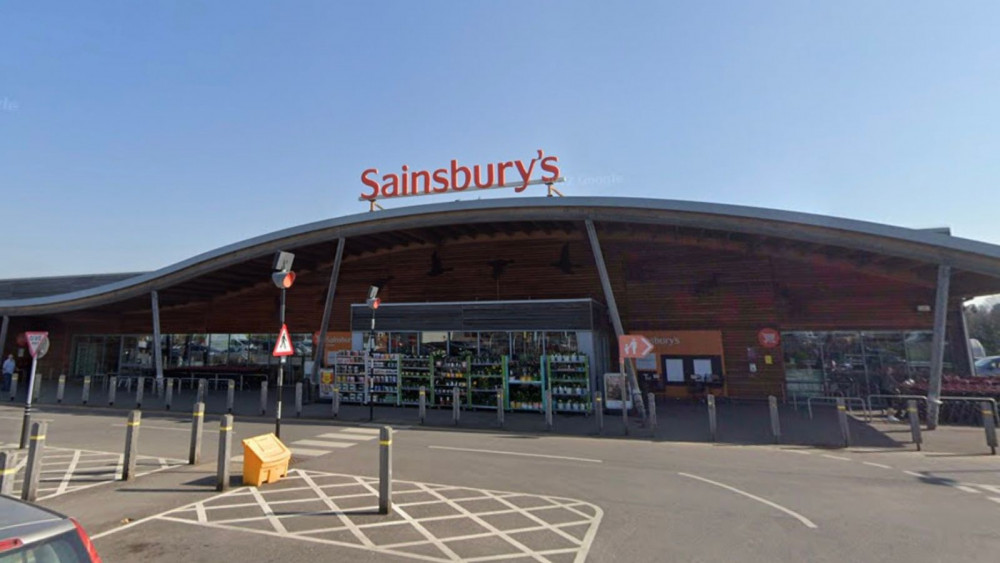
(29, 532)
(988, 366)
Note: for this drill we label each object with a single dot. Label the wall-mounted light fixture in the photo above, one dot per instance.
(923, 308)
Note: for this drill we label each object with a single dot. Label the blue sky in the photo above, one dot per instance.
(137, 134)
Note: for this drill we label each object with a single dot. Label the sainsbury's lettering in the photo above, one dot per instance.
(456, 178)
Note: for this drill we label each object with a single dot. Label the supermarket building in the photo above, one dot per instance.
(738, 301)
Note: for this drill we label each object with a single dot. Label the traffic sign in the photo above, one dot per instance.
(769, 338)
(283, 347)
(633, 346)
(38, 343)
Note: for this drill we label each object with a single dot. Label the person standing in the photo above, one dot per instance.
(8, 371)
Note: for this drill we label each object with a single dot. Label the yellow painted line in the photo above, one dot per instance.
(42, 437)
(132, 423)
(226, 428)
(199, 414)
(385, 442)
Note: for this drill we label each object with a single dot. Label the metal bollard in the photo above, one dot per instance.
(713, 427)
(197, 425)
(225, 452)
(140, 389)
(85, 394)
(298, 399)
(29, 491)
(131, 445)
(599, 411)
(335, 403)
(500, 411)
(624, 391)
(230, 395)
(168, 393)
(548, 409)
(911, 409)
(128, 385)
(201, 391)
(385, 470)
(456, 408)
(8, 471)
(651, 398)
(845, 429)
(61, 389)
(422, 409)
(13, 386)
(990, 425)
(263, 398)
(772, 402)
(112, 389)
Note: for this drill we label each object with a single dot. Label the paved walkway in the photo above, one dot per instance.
(739, 422)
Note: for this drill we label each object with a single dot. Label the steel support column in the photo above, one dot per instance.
(325, 324)
(616, 320)
(966, 344)
(937, 345)
(157, 345)
(3, 335)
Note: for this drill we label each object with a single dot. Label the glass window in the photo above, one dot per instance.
(87, 355)
(561, 343)
(528, 344)
(461, 343)
(406, 343)
(494, 344)
(218, 349)
(259, 347)
(239, 349)
(197, 350)
(434, 343)
(803, 355)
(110, 357)
(137, 354)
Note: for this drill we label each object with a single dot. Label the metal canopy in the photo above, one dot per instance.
(905, 254)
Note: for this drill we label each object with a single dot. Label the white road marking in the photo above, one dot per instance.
(348, 436)
(308, 452)
(69, 473)
(805, 521)
(802, 452)
(915, 474)
(991, 488)
(837, 457)
(498, 452)
(873, 464)
(187, 430)
(323, 444)
(374, 431)
(590, 516)
(966, 489)
(995, 499)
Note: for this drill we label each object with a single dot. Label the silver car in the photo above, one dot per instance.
(30, 533)
(988, 366)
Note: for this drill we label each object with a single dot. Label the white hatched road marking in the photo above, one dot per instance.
(521, 454)
(347, 436)
(308, 452)
(66, 470)
(966, 489)
(331, 487)
(995, 499)
(837, 457)
(323, 444)
(374, 431)
(805, 521)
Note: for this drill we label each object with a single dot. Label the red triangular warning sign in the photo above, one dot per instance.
(283, 347)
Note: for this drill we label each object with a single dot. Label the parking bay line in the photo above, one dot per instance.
(521, 454)
(805, 521)
(347, 436)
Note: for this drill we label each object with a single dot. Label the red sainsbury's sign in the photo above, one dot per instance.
(458, 178)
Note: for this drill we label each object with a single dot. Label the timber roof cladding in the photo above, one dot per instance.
(895, 252)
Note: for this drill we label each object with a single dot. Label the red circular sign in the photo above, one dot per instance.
(769, 338)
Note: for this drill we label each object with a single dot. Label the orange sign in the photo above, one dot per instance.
(633, 346)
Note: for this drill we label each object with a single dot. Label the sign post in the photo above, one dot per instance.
(38, 346)
(282, 349)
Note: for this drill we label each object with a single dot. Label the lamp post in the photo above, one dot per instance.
(283, 277)
(373, 302)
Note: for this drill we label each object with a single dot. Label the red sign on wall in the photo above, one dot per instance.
(769, 338)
